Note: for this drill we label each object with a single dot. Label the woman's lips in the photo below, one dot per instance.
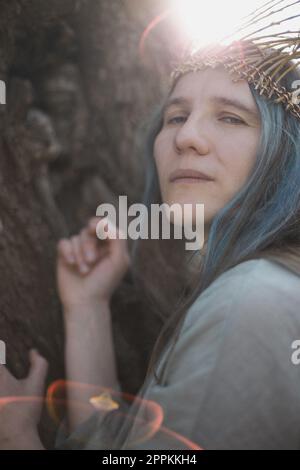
(188, 176)
(191, 180)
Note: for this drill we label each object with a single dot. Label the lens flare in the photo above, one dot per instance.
(200, 22)
(147, 423)
(104, 402)
(203, 22)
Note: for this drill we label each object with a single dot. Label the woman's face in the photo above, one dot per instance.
(211, 125)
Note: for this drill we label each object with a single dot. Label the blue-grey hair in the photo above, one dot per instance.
(264, 214)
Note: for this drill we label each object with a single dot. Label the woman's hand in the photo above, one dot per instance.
(90, 269)
(20, 405)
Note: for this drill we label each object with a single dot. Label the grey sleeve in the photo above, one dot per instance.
(252, 399)
(231, 383)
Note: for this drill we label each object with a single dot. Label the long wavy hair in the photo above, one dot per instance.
(263, 218)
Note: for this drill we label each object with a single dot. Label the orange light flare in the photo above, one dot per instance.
(103, 400)
(4, 401)
(151, 26)
(176, 36)
(191, 24)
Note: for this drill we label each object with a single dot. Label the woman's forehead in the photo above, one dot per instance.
(210, 82)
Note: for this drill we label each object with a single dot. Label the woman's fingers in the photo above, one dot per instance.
(103, 224)
(79, 256)
(82, 251)
(90, 250)
(33, 384)
(4, 376)
(92, 225)
(65, 250)
(37, 373)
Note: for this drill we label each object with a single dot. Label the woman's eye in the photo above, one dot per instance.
(233, 120)
(175, 120)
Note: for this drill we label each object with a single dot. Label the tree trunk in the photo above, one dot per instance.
(77, 91)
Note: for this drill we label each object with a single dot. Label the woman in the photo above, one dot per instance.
(226, 380)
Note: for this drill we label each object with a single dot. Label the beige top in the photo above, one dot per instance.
(230, 382)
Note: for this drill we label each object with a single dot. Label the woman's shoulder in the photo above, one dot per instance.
(259, 287)
(256, 277)
(251, 312)
(258, 273)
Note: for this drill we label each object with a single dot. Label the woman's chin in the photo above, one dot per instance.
(187, 211)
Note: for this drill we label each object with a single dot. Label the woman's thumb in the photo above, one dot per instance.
(37, 373)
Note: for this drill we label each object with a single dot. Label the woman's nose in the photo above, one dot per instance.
(191, 135)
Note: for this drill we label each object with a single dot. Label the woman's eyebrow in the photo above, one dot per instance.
(223, 100)
(236, 103)
(173, 101)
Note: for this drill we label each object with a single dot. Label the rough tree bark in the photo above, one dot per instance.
(77, 90)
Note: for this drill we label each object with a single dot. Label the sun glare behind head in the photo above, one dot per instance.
(203, 22)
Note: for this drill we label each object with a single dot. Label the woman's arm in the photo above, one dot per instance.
(88, 272)
(89, 356)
